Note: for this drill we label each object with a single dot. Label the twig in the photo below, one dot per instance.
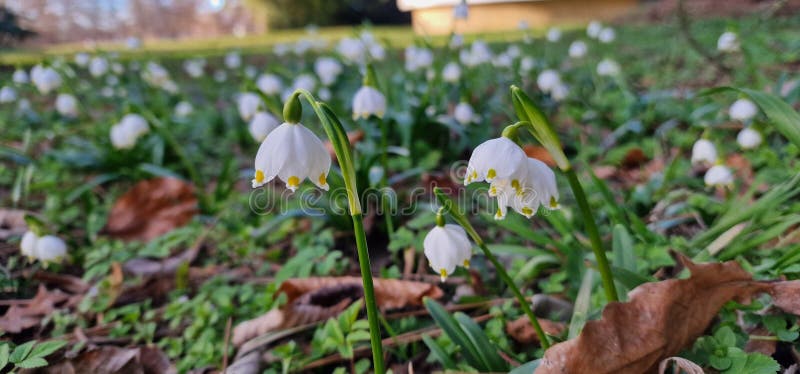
(226, 344)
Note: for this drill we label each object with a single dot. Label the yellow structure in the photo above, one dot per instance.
(435, 17)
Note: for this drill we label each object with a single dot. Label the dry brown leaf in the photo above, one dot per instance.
(540, 153)
(316, 299)
(764, 346)
(660, 320)
(12, 223)
(109, 359)
(683, 364)
(353, 136)
(152, 208)
(635, 157)
(522, 331)
(21, 317)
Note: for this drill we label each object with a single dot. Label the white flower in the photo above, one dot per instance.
(269, 84)
(559, 92)
(451, 72)
(608, 67)
(743, 110)
(593, 29)
(67, 105)
(418, 58)
(553, 34)
(183, 109)
(704, 152)
(305, 82)
(548, 79)
(578, 49)
(368, 101)
(45, 78)
(456, 41)
(532, 185)
(7, 94)
(47, 248)
(749, 138)
(447, 247)
(461, 10)
(719, 175)
(20, 77)
(324, 94)
(728, 42)
(125, 133)
(513, 51)
(377, 52)
(327, 69)
(261, 125)
(155, 74)
(117, 68)
(220, 76)
(280, 49)
(292, 153)
(28, 244)
(463, 113)
(81, 59)
(351, 49)
(194, 67)
(606, 35)
(233, 60)
(98, 66)
(133, 42)
(248, 104)
(478, 53)
(497, 158)
(502, 60)
(527, 63)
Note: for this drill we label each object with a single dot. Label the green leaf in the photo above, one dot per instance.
(46, 348)
(486, 350)
(622, 248)
(582, 303)
(439, 353)
(454, 331)
(4, 354)
(33, 362)
(358, 336)
(526, 368)
(21, 352)
(758, 363)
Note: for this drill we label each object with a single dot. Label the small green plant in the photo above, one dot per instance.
(28, 355)
(721, 352)
(343, 333)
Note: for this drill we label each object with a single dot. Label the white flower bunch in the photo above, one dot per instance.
(233, 60)
(46, 79)
(553, 34)
(67, 105)
(248, 104)
(451, 72)
(125, 133)
(327, 69)
(728, 42)
(183, 109)
(463, 113)
(608, 67)
(606, 35)
(98, 66)
(578, 49)
(7, 95)
(478, 53)
(749, 138)
(743, 110)
(593, 29)
(549, 81)
(719, 176)
(47, 248)
(194, 67)
(418, 58)
(20, 76)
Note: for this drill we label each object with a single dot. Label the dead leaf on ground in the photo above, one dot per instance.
(152, 208)
(353, 136)
(681, 363)
(109, 359)
(66, 282)
(661, 319)
(316, 299)
(12, 223)
(30, 314)
(540, 153)
(522, 331)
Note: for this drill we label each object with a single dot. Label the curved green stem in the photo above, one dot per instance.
(341, 146)
(449, 207)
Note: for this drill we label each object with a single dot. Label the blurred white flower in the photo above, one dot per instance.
(125, 133)
(461, 10)
(377, 52)
(45, 79)
(451, 72)
(704, 152)
(719, 176)
(20, 76)
(155, 74)
(82, 59)
(608, 67)
(67, 105)
(28, 244)
(117, 68)
(497, 158)
(527, 64)
(324, 94)
(220, 76)
(133, 42)
(749, 138)
(606, 35)
(269, 84)
(305, 82)
(728, 42)
(183, 109)
(194, 67)
(48, 248)
(418, 58)
(292, 153)
(112, 80)
(593, 29)
(233, 60)
(280, 49)
(456, 41)
(248, 104)
(7, 95)
(578, 49)
(327, 69)
(446, 247)
(513, 51)
(368, 101)
(351, 49)
(261, 125)
(559, 92)
(463, 113)
(503, 60)
(250, 71)
(553, 34)
(742, 110)
(98, 66)
(478, 53)
(548, 80)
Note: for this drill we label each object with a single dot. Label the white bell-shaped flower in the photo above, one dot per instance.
(292, 153)
(553, 34)
(67, 105)
(81, 59)
(418, 58)
(743, 110)
(704, 152)
(248, 104)
(233, 60)
(461, 10)
(578, 49)
(7, 95)
(194, 67)
(463, 113)
(98, 66)
(133, 42)
(531, 186)
(749, 138)
(497, 158)
(608, 67)
(527, 64)
(456, 41)
(46, 79)
(548, 79)
(50, 248)
(28, 244)
(351, 49)
(261, 125)
(606, 35)
(20, 76)
(559, 92)
(125, 133)
(728, 42)
(446, 247)
(719, 176)
(451, 72)
(327, 69)
(594, 28)
(183, 109)
(304, 82)
(368, 101)
(269, 84)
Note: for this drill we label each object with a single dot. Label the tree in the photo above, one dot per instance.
(10, 30)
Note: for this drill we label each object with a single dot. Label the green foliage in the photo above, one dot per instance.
(28, 355)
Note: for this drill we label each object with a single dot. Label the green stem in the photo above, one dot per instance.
(449, 207)
(341, 145)
(385, 177)
(594, 236)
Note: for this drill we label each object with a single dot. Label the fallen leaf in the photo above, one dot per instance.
(661, 319)
(540, 153)
(109, 359)
(12, 223)
(152, 208)
(30, 314)
(353, 136)
(316, 299)
(522, 331)
(681, 363)
(764, 346)
(634, 158)
(66, 282)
